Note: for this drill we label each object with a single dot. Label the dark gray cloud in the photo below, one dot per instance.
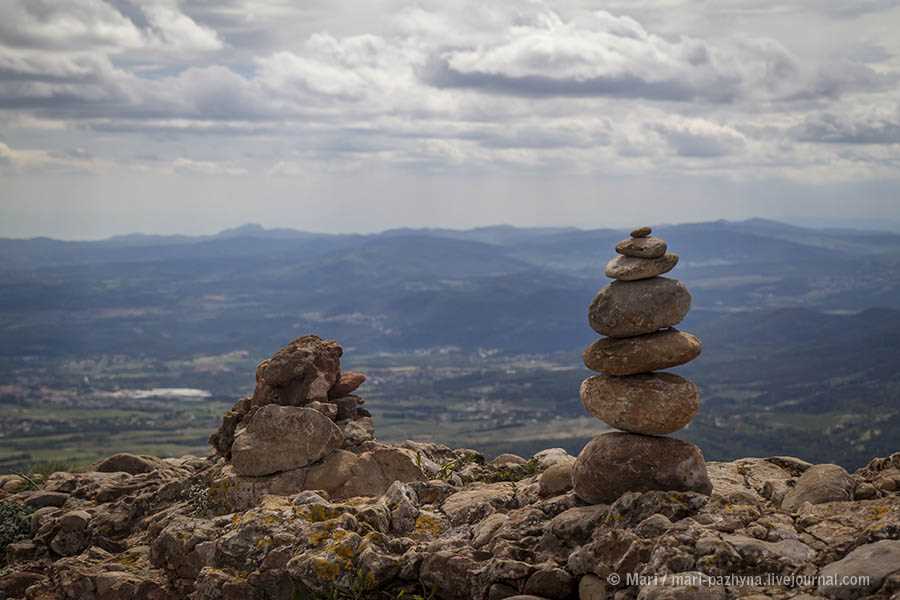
(829, 128)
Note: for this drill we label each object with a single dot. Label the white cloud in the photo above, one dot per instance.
(541, 86)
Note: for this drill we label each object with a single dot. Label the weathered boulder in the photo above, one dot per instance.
(648, 403)
(627, 268)
(643, 353)
(302, 372)
(128, 463)
(615, 463)
(72, 535)
(820, 484)
(281, 438)
(641, 232)
(866, 569)
(347, 384)
(475, 504)
(630, 308)
(557, 478)
(684, 586)
(508, 459)
(642, 247)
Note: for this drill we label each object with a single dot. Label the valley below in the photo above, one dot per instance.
(471, 339)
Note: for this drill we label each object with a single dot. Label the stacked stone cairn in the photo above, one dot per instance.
(637, 313)
(304, 428)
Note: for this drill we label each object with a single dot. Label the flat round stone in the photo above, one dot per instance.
(644, 247)
(629, 308)
(641, 232)
(649, 403)
(628, 268)
(642, 354)
(614, 463)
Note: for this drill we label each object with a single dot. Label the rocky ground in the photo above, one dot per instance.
(141, 527)
(300, 502)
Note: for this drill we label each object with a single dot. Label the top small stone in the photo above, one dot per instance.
(641, 232)
(644, 247)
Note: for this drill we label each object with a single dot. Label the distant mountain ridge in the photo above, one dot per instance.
(801, 327)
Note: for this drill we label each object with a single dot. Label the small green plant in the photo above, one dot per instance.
(15, 525)
(198, 498)
(30, 483)
(37, 473)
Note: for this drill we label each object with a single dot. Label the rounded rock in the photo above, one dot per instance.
(642, 247)
(649, 403)
(641, 232)
(280, 438)
(643, 353)
(628, 268)
(630, 308)
(614, 463)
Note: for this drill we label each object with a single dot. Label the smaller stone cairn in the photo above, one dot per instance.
(304, 428)
(637, 313)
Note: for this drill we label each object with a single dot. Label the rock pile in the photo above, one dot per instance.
(304, 428)
(638, 313)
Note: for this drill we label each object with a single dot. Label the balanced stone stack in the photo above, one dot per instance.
(637, 314)
(303, 407)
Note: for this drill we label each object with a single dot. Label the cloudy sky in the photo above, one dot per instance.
(341, 115)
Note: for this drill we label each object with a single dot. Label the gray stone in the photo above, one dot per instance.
(629, 308)
(347, 384)
(474, 504)
(642, 247)
(643, 353)
(128, 463)
(508, 459)
(591, 587)
(556, 479)
(683, 586)
(41, 499)
(819, 484)
(615, 463)
(641, 232)
(649, 403)
(628, 268)
(281, 438)
(552, 583)
(870, 564)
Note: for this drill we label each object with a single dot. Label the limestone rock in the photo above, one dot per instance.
(557, 479)
(551, 582)
(72, 536)
(628, 268)
(128, 463)
(230, 492)
(870, 564)
(302, 372)
(641, 232)
(615, 463)
(347, 384)
(684, 586)
(508, 459)
(473, 505)
(649, 403)
(819, 484)
(281, 438)
(630, 308)
(643, 353)
(309, 360)
(642, 247)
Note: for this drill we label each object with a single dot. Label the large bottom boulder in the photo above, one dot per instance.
(615, 463)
